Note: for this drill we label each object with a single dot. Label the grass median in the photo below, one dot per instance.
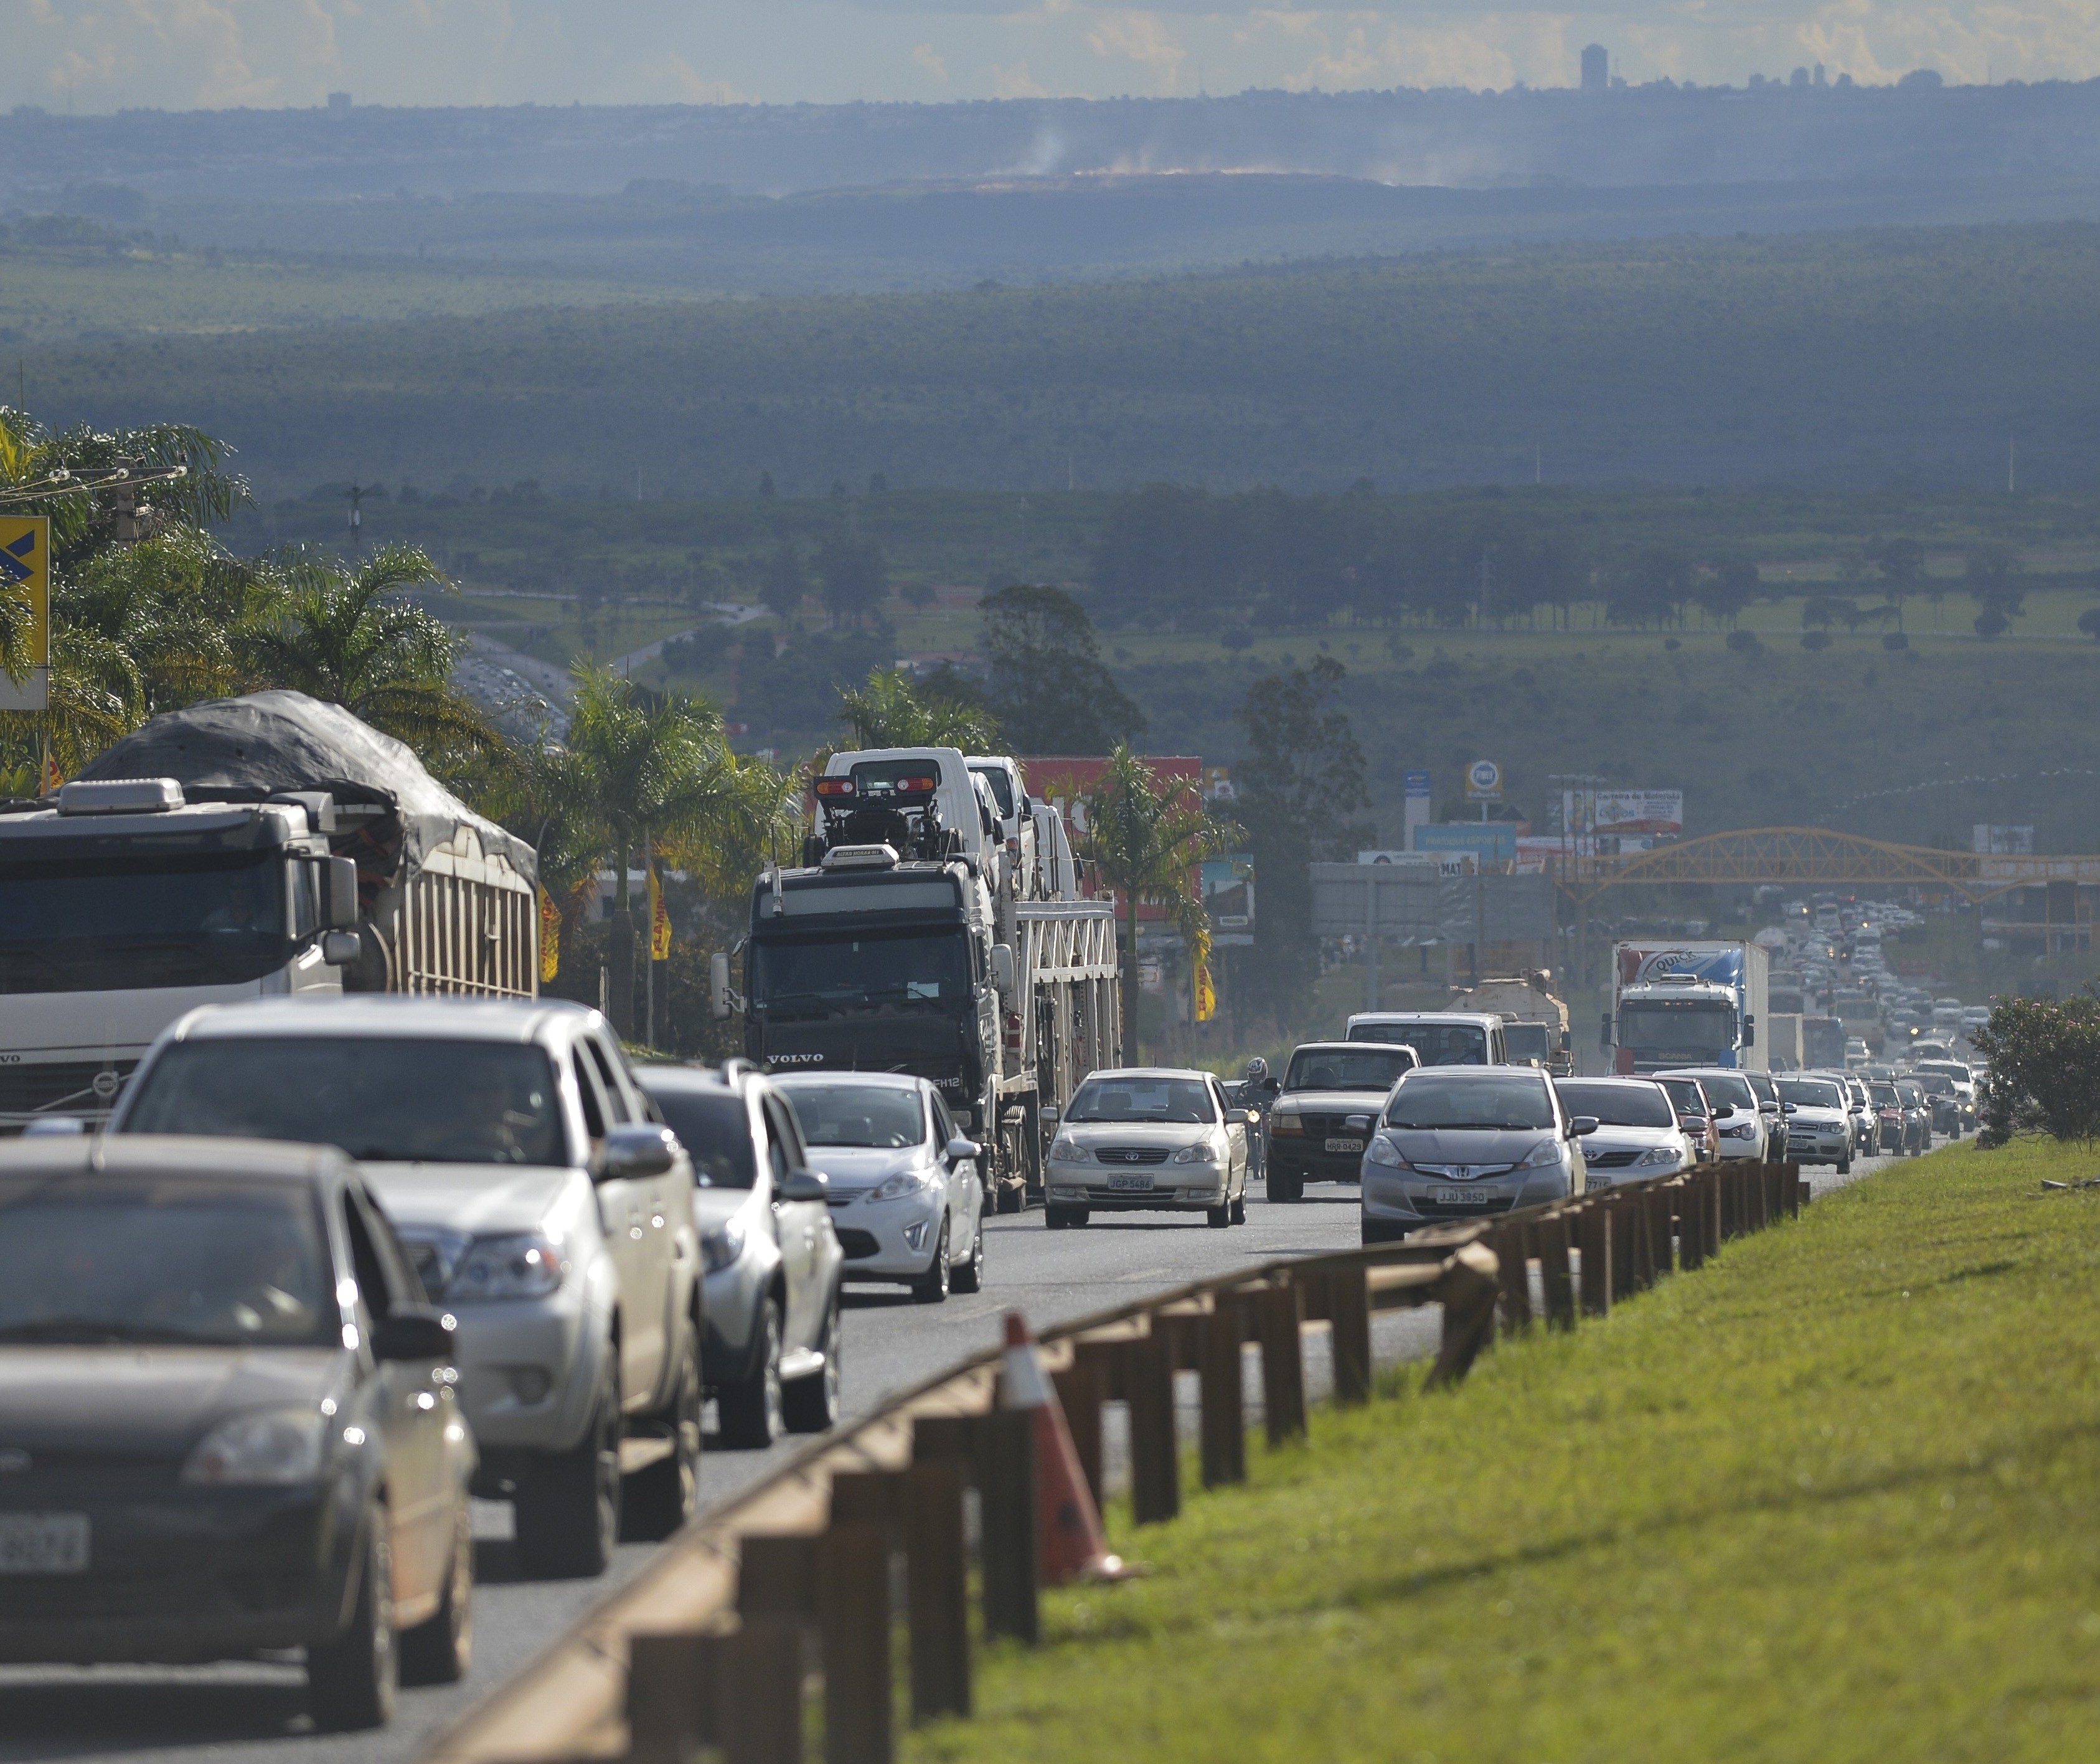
(1832, 1498)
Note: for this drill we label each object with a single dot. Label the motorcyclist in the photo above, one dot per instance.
(1257, 1091)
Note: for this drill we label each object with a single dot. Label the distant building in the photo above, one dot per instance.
(338, 101)
(1596, 68)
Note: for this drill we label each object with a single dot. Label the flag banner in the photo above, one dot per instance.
(550, 938)
(1207, 995)
(659, 921)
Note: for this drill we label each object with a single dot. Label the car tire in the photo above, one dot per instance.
(752, 1411)
(1284, 1189)
(932, 1286)
(568, 1507)
(661, 1497)
(811, 1405)
(1845, 1165)
(1239, 1211)
(969, 1278)
(1217, 1217)
(1057, 1218)
(351, 1682)
(440, 1651)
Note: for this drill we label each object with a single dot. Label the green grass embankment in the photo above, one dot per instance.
(1832, 1499)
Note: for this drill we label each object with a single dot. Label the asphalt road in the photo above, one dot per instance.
(255, 1713)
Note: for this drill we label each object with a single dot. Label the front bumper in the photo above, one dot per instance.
(1189, 1188)
(182, 1576)
(890, 1241)
(1305, 1159)
(1395, 1202)
(529, 1370)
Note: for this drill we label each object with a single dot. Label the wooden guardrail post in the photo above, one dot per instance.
(1224, 1425)
(760, 1693)
(1593, 1227)
(1619, 1209)
(1006, 1504)
(1661, 1227)
(854, 1621)
(1282, 1360)
(1551, 1235)
(1713, 1220)
(670, 1694)
(1512, 1248)
(1082, 1388)
(1349, 1321)
(1155, 1470)
(1758, 1192)
(1470, 1289)
(937, 1579)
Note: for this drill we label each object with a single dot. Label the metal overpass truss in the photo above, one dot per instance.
(1816, 857)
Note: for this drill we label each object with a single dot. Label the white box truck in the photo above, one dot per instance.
(1687, 1003)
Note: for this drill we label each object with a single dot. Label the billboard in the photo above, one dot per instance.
(1489, 841)
(2003, 841)
(1483, 781)
(25, 573)
(1619, 814)
(1228, 897)
(1414, 805)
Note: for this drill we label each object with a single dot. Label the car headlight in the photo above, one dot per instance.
(905, 1182)
(1544, 1153)
(722, 1247)
(1202, 1152)
(1743, 1133)
(1659, 1158)
(1065, 1151)
(266, 1447)
(1382, 1151)
(526, 1266)
(1284, 1125)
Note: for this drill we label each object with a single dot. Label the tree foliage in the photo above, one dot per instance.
(891, 712)
(1055, 694)
(2045, 1057)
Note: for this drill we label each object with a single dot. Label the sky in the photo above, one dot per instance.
(100, 56)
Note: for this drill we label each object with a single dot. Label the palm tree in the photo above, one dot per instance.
(887, 712)
(656, 775)
(1146, 837)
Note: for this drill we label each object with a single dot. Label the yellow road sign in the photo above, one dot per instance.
(25, 573)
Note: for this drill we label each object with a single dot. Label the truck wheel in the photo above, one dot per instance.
(811, 1405)
(440, 1651)
(932, 1286)
(567, 1508)
(751, 1411)
(351, 1681)
(663, 1496)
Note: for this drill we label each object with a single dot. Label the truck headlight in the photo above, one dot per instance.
(720, 1247)
(1283, 1125)
(526, 1266)
(266, 1447)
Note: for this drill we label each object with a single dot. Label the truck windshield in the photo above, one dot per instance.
(1436, 1043)
(95, 923)
(1355, 1068)
(382, 1101)
(1676, 1030)
(1528, 1040)
(878, 970)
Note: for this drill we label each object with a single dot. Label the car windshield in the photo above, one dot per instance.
(714, 1126)
(1347, 1068)
(1809, 1093)
(824, 975)
(102, 1257)
(1183, 1100)
(1619, 1105)
(1685, 1093)
(1934, 1083)
(881, 1116)
(1001, 786)
(1762, 1085)
(1883, 1095)
(413, 1100)
(1437, 1043)
(1427, 1101)
(1728, 1087)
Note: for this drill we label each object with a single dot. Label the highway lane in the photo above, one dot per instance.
(254, 1713)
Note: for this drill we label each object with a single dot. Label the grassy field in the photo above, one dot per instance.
(1829, 1499)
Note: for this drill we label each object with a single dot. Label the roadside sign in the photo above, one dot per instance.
(1483, 781)
(1418, 784)
(25, 573)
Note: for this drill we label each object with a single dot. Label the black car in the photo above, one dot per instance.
(1917, 1118)
(228, 1424)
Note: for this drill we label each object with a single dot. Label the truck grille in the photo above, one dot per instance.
(59, 1087)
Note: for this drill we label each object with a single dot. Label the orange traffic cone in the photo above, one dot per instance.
(1072, 1544)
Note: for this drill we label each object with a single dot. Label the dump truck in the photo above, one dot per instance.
(1534, 1021)
(244, 848)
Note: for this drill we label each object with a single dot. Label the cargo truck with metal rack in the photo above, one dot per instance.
(256, 847)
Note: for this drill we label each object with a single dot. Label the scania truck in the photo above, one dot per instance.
(1686, 1004)
(253, 847)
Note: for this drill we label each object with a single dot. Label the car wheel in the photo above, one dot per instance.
(969, 1278)
(752, 1411)
(351, 1681)
(1845, 1165)
(1217, 1217)
(567, 1508)
(1058, 1218)
(932, 1286)
(811, 1405)
(1284, 1189)
(661, 1497)
(1239, 1211)
(441, 1651)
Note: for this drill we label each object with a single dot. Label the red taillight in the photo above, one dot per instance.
(835, 787)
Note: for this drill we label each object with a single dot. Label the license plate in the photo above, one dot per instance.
(1130, 1181)
(1345, 1145)
(43, 1543)
(1462, 1195)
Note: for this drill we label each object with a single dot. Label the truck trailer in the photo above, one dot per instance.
(1686, 1004)
(245, 848)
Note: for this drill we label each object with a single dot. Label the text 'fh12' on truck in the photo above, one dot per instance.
(935, 927)
(257, 847)
(1686, 1004)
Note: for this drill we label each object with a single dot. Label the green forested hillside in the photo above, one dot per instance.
(1853, 358)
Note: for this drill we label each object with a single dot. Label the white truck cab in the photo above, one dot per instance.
(1438, 1038)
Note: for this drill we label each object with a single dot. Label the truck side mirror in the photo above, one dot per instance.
(339, 909)
(1567, 1041)
(1604, 1031)
(1002, 969)
(341, 949)
(1750, 1030)
(718, 991)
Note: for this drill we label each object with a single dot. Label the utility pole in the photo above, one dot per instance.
(356, 495)
(2012, 462)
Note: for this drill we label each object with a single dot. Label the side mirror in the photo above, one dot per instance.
(1768, 1108)
(1002, 969)
(1050, 1112)
(960, 1150)
(1721, 1111)
(718, 993)
(635, 1149)
(341, 949)
(1788, 1108)
(339, 886)
(798, 1186)
(1750, 1030)
(1581, 1126)
(1357, 1124)
(1567, 1041)
(413, 1332)
(1604, 1031)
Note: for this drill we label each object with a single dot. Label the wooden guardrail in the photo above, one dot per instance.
(713, 1644)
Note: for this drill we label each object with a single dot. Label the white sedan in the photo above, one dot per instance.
(1149, 1139)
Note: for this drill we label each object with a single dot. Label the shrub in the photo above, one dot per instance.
(1744, 642)
(1816, 640)
(1896, 640)
(2045, 1056)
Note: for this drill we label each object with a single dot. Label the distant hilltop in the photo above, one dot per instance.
(1796, 130)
